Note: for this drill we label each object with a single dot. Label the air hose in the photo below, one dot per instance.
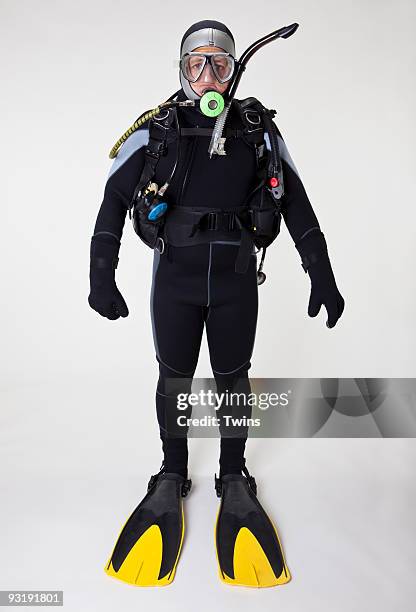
(145, 117)
(140, 121)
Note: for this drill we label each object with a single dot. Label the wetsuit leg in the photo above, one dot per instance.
(177, 308)
(231, 327)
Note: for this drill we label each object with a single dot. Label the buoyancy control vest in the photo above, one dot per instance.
(256, 221)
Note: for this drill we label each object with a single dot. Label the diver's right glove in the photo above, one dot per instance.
(104, 296)
(315, 260)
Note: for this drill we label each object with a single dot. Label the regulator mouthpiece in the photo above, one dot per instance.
(211, 104)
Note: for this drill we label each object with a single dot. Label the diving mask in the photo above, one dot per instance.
(193, 63)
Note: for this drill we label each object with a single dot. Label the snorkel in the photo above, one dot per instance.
(214, 104)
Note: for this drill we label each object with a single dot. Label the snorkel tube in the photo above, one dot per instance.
(216, 146)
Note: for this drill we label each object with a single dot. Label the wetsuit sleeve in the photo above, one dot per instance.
(122, 180)
(297, 210)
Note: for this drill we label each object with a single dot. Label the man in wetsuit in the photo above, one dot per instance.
(195, 285)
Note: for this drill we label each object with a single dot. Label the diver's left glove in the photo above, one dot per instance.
(315, 260)
(104, 296)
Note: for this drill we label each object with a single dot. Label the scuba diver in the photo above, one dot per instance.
(206, 179)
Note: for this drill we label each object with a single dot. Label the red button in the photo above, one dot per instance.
(273, 182)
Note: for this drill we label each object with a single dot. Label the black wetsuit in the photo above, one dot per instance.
(196, 285)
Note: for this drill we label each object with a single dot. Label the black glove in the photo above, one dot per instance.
(104, 296)
(313, 251)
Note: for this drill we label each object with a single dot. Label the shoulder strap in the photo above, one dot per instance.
(159, 127)
(258, 120)
(253, 127)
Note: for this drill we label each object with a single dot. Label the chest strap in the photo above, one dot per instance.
(201, 131)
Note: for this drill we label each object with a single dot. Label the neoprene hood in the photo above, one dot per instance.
(204, 34)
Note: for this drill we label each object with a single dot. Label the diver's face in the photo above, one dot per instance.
(208, 81)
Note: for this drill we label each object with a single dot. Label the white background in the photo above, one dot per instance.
(78, 430)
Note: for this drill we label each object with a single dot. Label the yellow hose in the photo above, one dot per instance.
(142, 119)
